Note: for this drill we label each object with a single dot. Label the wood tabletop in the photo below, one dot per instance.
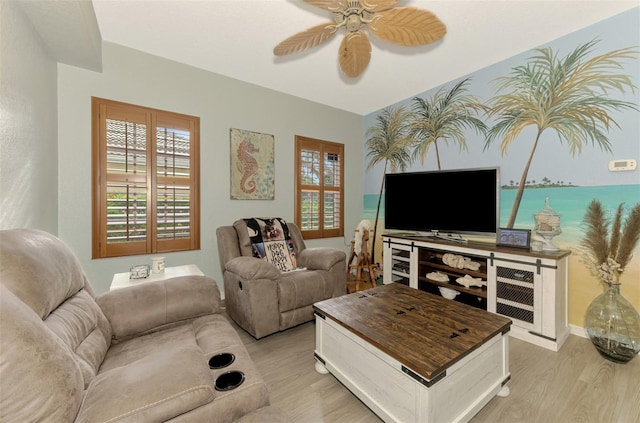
(424, 332)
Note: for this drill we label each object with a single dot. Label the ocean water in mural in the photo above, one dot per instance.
(569, 202)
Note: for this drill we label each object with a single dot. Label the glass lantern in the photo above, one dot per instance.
(547, 226)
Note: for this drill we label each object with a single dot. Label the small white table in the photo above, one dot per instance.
(122, 280)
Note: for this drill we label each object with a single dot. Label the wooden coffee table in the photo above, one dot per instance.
(411, 356)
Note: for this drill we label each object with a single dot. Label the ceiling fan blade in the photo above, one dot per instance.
(378, 5)
(355, 53)
(331, 5)
(407, 26)
(305, 39)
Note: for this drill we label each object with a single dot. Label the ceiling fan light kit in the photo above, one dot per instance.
(404, 26)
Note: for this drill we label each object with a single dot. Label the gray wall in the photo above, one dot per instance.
(221, 103)
(28, 126)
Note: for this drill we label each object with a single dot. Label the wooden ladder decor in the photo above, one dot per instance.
(365, 276)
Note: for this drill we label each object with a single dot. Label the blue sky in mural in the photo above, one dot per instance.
(552, 159)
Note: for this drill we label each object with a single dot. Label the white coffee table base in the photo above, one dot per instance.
(389, 389)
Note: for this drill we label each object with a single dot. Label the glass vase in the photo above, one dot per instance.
(613, 325)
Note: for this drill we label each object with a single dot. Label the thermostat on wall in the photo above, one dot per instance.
(618, 165)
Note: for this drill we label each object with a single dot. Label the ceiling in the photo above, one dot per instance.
(236, 38)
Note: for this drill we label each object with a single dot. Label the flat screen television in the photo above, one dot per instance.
(460, 201)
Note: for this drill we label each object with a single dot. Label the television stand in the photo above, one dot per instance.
(529, 287)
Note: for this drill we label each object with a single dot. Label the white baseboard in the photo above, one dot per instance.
(578, 331)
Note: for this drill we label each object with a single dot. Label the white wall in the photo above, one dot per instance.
(221, 103)
(28, 126)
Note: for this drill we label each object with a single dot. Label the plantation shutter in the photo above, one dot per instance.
(145, 180)
(332, 191)
(174, 193)
(310, 189)
(319, 188)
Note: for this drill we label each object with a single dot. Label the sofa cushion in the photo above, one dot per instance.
(124, 353)
(47, 276)
(82, 326)
(39, 379)
(156, 387)
(303, 288)
(210, 335)
(40, 269)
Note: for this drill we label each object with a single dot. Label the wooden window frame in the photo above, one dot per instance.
(101, 110)
(322, 147)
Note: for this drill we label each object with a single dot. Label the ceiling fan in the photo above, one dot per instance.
(405, 26)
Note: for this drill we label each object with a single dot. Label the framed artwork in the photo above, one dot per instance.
(252, 165)
(520, 238)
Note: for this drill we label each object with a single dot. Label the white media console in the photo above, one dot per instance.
(528, 287)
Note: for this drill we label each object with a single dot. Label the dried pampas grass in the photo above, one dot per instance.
(607, 252)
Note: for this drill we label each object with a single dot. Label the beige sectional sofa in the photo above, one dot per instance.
(135, 354)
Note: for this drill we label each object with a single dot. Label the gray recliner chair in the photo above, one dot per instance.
(263, 300)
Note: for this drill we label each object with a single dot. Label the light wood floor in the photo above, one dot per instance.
(572, 385)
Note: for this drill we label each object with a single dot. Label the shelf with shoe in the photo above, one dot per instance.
(463, 276)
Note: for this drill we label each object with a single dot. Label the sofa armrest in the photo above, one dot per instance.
(250, 268)
(150, 306)
(320, 258)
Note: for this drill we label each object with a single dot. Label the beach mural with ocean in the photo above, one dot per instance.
(570, 203)
(569, 175)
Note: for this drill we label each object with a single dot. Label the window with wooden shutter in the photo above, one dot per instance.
(319, 188)
(145, 180)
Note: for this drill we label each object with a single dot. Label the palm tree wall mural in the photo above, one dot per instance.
(388, 142)
(568, 95)
(572, 170)
(398, 130)
(444, 117)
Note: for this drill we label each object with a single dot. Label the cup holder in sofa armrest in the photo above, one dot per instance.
(219, 361)
(229, 380)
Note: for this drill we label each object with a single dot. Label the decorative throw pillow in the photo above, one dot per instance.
(271, 241)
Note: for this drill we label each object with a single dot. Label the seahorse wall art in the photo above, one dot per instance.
(247, 165)
(252, 165)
